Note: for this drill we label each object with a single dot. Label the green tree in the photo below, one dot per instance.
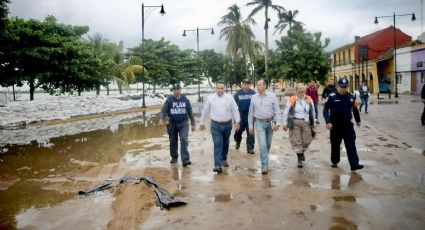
(48, 55)
(212, 65)
(238, 34)
(162, 60)
(301, 55)
(260, 5)
(287, 19)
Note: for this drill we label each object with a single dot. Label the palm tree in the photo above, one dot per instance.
(252, 51)
(237, 31)
(287, 19)
(265, 4)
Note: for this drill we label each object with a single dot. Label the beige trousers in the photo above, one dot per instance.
(300, 136)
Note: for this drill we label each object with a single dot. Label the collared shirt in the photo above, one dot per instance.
(264, 107)
(301, 110)
(220, 108)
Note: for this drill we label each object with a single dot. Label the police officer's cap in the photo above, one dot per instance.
(176, 86)
(343, 82)
(246, 81)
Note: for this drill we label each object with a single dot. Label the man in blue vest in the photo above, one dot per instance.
(179, 110)
(243, 100)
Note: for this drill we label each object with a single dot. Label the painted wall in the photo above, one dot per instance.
(418, 67)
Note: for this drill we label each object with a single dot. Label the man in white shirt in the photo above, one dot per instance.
(220, 108)
(264, 112)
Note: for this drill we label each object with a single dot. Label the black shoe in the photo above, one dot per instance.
(218, 169)
(264, 170)
(173, 161)
(317, 122)
(334, 165)
(251, 152)
(300, 164)
(366, 112)
(225, 163)
(357, 168)
(238, 145)
(186, 163)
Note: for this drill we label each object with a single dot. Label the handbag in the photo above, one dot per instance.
(291, 117)
(313, 131)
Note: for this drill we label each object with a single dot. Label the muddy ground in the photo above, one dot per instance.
(39, 184)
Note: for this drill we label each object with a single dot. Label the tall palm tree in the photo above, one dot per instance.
(252, 51)
(237, 31)
(287, 19)
(259, 5)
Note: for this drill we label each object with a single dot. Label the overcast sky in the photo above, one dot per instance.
(116, 20)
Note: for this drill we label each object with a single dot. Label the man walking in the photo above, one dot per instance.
(364, 95)
(330, 88)
(312, 92)
(263, 111)
(337, 112)
(220, 108)
(243, 100)
(179, 110)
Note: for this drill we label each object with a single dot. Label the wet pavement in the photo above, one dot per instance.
(39, 180)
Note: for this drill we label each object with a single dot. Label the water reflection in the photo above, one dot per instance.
(62, 154)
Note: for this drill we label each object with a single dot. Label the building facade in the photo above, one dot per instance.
(358, 61)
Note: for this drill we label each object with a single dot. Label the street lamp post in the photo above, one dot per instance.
(395, 44)
(197, 54)
(162, 12)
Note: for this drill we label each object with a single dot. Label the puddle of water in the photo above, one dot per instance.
(392, 146)
(366, 150)
(24, 195)
(274, 158)
(417, 150)
(407, 145)
(387, 102)
(382, 138)
(225, 197)
(64, 154)
(342, 223)
(347, 198)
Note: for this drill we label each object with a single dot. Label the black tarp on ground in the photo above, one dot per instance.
(163, 198)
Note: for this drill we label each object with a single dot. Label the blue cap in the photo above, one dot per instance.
(343, 82)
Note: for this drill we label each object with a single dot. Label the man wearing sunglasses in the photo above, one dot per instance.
(338, 112)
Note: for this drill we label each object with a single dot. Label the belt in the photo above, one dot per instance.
(222, 122)
(265, 120)
(298, 118)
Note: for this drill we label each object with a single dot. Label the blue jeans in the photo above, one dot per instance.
(364, 102)
(221, 135)
(250, 141)
(176, 129)
(264, 137)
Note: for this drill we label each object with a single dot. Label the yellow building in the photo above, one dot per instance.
(357, 61)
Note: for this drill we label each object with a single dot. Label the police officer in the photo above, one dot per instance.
(243, 100)
(337, 111)
(330, 88)
(179, 110)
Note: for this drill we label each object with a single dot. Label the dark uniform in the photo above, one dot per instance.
(328, 90)
(243, 100)
(179, 111)
(339, 110)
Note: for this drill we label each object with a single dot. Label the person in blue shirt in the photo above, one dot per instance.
(243, 100)
(338, 112)
(177, 107)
